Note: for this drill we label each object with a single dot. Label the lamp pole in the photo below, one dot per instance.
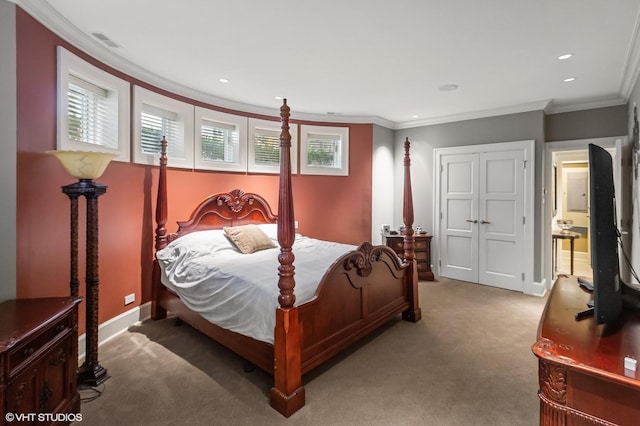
(91, 372)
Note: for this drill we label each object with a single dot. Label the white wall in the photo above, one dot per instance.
(382, 183)
(8, 141)
(635, 188)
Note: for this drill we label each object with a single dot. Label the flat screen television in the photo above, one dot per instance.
(610, 294)
(607, 287)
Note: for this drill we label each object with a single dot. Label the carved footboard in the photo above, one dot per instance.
(361, 291)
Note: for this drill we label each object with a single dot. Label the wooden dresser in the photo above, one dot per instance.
(39, 359)
(582, 376)
(422, 249)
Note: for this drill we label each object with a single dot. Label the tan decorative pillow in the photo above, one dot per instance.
(248, 238)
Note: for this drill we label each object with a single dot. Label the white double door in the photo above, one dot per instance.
(482, 218)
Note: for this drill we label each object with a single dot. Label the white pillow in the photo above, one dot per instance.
(271, 229)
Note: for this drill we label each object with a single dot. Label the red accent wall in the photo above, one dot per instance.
(331, 208)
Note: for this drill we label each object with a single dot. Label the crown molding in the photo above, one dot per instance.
(632, 63)
(42, 11)
(50, 18)
(558, 108)
(516, 109)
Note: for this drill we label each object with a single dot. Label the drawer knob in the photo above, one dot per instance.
(28, 351)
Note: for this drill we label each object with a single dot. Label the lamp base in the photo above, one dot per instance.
(92, 375)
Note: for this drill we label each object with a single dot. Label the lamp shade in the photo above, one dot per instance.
(84, 164)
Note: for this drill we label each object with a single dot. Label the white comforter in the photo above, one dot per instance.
(236, 291)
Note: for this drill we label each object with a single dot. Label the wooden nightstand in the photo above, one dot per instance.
(39, 356)
(423, 252)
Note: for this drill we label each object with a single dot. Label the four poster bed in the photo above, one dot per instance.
(356, 291)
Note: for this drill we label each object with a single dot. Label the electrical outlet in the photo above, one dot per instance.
(130, 298)
(295, 224)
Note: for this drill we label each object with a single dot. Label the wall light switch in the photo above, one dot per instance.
(130, 298)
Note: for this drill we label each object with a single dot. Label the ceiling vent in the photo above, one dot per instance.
(106, 40)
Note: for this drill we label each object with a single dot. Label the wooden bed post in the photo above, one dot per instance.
(414, 313)
(161, 231)
(287, 393)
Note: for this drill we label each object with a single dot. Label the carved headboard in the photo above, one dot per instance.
(227, 209)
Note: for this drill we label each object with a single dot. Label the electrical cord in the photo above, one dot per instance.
(96, 392)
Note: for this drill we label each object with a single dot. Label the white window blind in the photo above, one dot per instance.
(219, 141)
(92, 108)
(157, 123)
(90, 114)
(266, 147)
(157, 116)
(324, 151)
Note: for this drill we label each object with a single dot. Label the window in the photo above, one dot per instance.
(324, 150)
(264, 146)
(93, 108)
(157, 116)
(220, 141)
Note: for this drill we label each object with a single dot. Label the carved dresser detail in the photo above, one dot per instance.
(39, 358)
(581, 365)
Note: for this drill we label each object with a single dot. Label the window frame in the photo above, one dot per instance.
(307, 130)
(239, 122)
(276, 126)
(184, 113)
(70, 66)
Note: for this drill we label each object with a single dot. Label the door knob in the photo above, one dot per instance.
(472, 221)
(484, 221)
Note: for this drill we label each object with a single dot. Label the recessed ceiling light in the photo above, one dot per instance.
(223, 80)
(569, 80)
(415, 116)
(278, 98)
(565, 56)
(448, 87)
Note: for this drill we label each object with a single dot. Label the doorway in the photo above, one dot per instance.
(560, 159)
(570, 223)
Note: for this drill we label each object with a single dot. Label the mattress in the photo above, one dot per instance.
(237, 291)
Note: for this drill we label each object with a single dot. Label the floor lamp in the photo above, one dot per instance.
(86, 166)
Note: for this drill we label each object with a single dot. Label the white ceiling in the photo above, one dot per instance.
(375, 60)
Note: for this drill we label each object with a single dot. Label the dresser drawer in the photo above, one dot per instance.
(30, 348)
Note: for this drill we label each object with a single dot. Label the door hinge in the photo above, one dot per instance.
(523, 276)
(524, 220)
(524, 164)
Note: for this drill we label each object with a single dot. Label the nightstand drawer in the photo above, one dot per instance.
(422, 266)
(396, 244)
(39, 356)
(421, 244)
(422, 250)
(29, 349)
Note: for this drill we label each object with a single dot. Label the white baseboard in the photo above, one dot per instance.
(536, 288)
(578, 256)
(115, 326)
